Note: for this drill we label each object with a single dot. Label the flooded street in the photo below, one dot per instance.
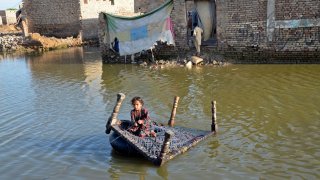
(53, 110)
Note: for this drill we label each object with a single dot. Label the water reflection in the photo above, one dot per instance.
(135, 168)
(120, 169)
(53, 110)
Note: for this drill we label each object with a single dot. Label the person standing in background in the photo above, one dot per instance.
(197, 32)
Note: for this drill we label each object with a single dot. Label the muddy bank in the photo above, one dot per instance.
(34, 42)
(12, 40)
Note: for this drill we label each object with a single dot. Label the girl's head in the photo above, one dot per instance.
(137, 103)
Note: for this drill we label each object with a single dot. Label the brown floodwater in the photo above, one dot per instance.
(53, 110)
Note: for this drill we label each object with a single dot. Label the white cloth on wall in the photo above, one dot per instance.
(197, 33)
(141, 32)
(197, 42)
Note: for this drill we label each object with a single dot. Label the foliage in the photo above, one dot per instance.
(12, 9)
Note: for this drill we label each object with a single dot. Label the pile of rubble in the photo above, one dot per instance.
(35, 42)
(12, 39)
(188, 62)
(10, 43)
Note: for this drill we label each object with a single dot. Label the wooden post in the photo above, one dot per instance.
(173, 112)
(165, 147)
(214, 125)
(113, 118)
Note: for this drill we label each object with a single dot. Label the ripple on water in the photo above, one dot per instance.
(53, 117)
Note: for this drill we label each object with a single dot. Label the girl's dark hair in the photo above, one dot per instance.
(137, 99)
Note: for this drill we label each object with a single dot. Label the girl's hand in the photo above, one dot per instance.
(140, 121)
(135, 124)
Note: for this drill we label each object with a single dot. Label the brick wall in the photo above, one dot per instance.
(103, 37)
(179, 19)
(64, 18)
(90, 10)
(275, 30)
(190, 6)
(297, 9)
(239, 21)
(145, 6)
(263, 31)
(59, 18)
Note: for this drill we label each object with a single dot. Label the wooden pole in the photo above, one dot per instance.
(173, 112)
(214, 124)
(113, 118)
(165, 147)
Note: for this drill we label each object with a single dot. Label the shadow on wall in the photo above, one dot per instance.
(57, 30)
(90, 29)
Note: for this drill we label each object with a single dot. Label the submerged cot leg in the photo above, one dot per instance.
(113, 118)
(173, 112)
(214, 125)
(165, 148)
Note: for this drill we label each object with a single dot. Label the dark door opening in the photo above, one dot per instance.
(204, 15)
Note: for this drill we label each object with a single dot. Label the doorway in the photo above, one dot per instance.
(204, 16)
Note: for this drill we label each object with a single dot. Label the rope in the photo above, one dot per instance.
(129, 128)
(119, 135)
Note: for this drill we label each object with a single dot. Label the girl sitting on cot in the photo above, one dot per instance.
(140, 119)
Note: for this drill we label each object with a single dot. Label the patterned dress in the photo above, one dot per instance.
(143, 129)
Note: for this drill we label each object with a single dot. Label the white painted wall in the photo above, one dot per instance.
(90, 13)
(94, 7)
